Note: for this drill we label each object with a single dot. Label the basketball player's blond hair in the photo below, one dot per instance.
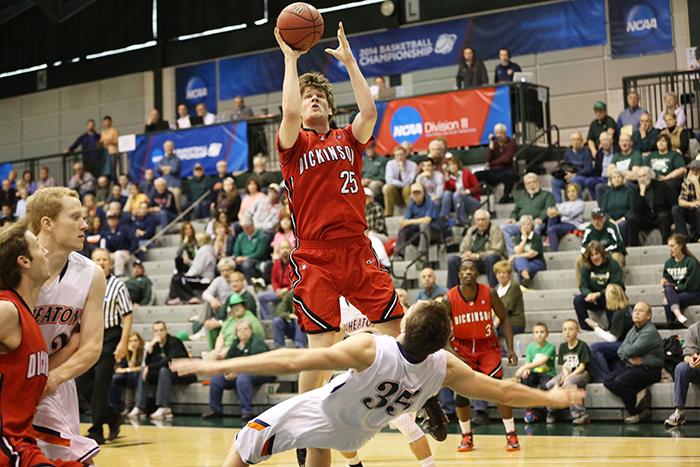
(318, 81)
(46, 202)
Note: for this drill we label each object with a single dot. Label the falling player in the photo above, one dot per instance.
(387, 377)
(476, 343)
(72, 295)
(24, 361)
(322, 169)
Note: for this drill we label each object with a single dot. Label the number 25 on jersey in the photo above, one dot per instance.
(350, 185)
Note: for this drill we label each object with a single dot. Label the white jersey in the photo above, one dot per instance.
(352, 320)
(61, 301)
(347, 412)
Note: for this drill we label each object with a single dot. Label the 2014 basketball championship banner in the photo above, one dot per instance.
(204, 145)
(464, 118)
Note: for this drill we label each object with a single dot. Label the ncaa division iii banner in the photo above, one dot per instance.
(195, 84)
(640, 27)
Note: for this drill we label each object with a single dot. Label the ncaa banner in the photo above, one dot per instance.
(464, 118)
(640, 27)
(205, 145)
(195, 84)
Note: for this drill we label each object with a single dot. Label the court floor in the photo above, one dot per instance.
(178, 446)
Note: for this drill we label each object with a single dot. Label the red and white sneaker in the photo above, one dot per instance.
(467, 443)
(512, 443)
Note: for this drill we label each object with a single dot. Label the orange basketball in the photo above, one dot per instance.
(301, 25)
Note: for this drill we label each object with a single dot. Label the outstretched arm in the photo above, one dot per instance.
(354, 352)
(291, 96)
(363, 125)
(466, 382)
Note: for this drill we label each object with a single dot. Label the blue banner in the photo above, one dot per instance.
(195, 84)
(563, 25)
(5, 170)
(205, 145)
(640, 27)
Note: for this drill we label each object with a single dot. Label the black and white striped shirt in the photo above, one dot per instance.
(117, 302)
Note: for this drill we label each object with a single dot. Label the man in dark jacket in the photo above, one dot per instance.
(471, 72)
(577, 167)
(159, 352)
(499, 160)
(642, 352)
(144, 224)
(651, 208)
(196, 186)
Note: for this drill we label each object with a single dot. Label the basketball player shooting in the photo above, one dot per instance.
(387, 377)
(72, 296)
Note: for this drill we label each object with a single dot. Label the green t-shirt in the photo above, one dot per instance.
(624, 163)
(571, 358)
(533, 350)
(664, 164)
(683, 274)
(228, 328)
(533, 243)
(621, 324)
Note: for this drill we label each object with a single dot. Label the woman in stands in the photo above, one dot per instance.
(565, 217)
(126, 376)
(284, 234)
(462, 192)
(680, 281)
(202, 269)
(679, 136)
(188, 247)
(223, 239)
(528, 259)
(227, 200)
(253, 194)
(511, 296)
(617, 201)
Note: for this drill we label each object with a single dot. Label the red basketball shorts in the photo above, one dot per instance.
(23, 452)
(322, 271)
(482, 355)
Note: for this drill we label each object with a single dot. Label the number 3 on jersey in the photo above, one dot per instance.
(349, 182)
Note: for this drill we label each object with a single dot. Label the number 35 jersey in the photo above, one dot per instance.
(370, 399)
(323, 176)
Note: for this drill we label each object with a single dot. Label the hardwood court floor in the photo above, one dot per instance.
(168, 446)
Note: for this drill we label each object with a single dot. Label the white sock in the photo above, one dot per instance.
(466, 427)
(355, 460)
(509, 423)
(427, 462)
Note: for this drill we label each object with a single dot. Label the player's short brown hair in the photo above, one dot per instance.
(316, 80)
(427, 328)
(46, 202)
(13, 244)
(541, 325)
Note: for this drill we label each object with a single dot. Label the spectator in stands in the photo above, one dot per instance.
(21, 205)
(433, 181)
(644, 139)
(124, 184)
(687, 211)
(169, 168)
(139, 286)
(126, 375)
(27, 182)
(505, 69)
(482, 243)
(680, 281)
(286, 324)
(286, 234)
(83, 182)
(281, 282)
(380, 91)
(624, 162)
(214, 297)
(429, 290)
(115, 195)
(601, 161)
(679, 136)
(250, 248)
(240, 110)
(471, 72)
(500, 161)
(574, 357)
(577, 167)
(565, 217)
(253, 193)
(374, 214)
(155, 122)
(45, 179)
(163, 202)
(199, 275)
(203, 117)
(93, 236)
(8, 195)
(109, 139)
(135, 198)
(540, 366)
(606, 232)
(195, 186)
(534, 202)
(223, 239)
(630, 116)
(183, 117)
(642, 353)
(228, 200)
(156, 372)
(187, 249)
(462, 192)
(511, 296)
(599, 271)
(147, 186)
(102, 190)
(220, 218)
(373, 170)
(265, 212)
(89, 143)
(651, 207)
(7, 215)
(419, 225)
(400, 174)
(671, 102)
(246, 343)
(437, 151)
(603, 123)
(260, 172)
(604, 359)
(221, 175)
(144, 224)
(117, 239)
(236, 311)
(528, 257)
(687, 371)
(617, 201)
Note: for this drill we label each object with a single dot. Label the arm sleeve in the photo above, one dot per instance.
(147, 292)
(78, 142)
(483, 74)
(122, 296)
(260, 247)
(297, 148)
(584, 282)
(647, 340)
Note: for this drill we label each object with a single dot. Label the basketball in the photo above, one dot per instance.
(301, 25)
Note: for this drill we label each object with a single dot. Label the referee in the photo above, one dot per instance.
(97, 380)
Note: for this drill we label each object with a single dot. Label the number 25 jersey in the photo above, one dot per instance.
(323, 175)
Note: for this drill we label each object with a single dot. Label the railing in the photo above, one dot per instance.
(652, 87)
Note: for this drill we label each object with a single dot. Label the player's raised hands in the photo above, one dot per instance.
(343, 52)
(286, 49)
(561, 398)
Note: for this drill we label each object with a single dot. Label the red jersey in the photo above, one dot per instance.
(23, 373)
(471, 320)
(323, 174)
